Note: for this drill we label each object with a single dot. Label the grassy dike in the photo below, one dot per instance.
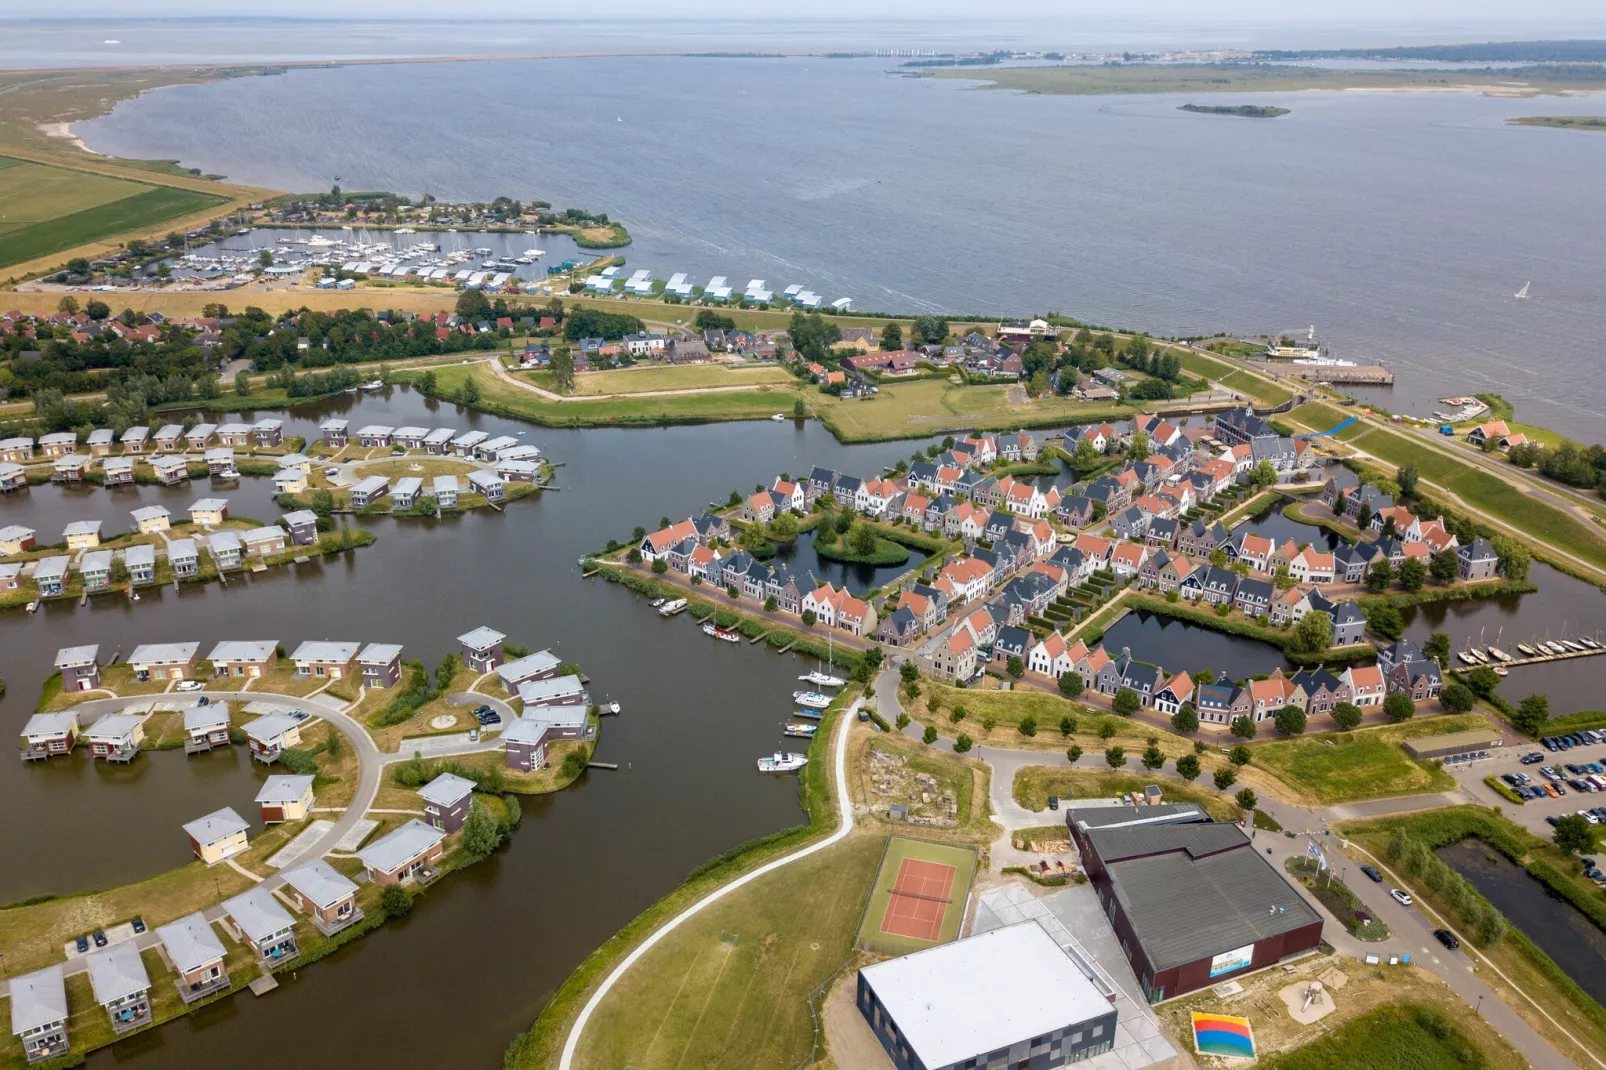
(539, 1047)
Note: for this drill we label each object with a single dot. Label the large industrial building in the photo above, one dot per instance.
(1191, 900)
(1010, 997)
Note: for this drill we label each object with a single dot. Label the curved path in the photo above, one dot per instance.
(845, 809)
(546, 395)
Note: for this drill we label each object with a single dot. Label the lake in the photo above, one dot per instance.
(696, 715)
(1178, 644)
(1400, 224)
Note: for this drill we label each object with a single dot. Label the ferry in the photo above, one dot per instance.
(782, 762)
(822, 679)
(801, 729)
(1526, 650)
(1498, 654)
(721, 633)
(812, 700)
(669, 609)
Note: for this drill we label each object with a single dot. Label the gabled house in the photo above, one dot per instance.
(47, 735)
(285, 798)
(1366, 685)
(217, 836)
(1218, 586)
(1253, 597)
(400, 856)
(1173, 693)
(270, 735)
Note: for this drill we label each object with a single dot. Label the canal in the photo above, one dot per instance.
(1179, 644)
(1559, 929)
(496, 940)
(805, 561)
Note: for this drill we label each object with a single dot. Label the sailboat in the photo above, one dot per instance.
(819, 677)
(1522, 294)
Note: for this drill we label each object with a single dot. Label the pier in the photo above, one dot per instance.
(1356, 374)
(1541, 658)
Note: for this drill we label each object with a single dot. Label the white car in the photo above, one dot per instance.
(331, 472)
(1403, 898)
(189, 685)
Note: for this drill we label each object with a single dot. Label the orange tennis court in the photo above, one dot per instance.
(919, 899)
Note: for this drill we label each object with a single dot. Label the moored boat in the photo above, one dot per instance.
(1498, 654)
(801, 729)
(822, 679)
(1590, 643)
(1555, 647)
(1573, 645)
(656, 602)
(669, 609)
(725, 634)
(782, 762)
(1482, 658)
(1526, 650)
(813, 700)
(1501, 670)
(812, 715)
(1466, 658)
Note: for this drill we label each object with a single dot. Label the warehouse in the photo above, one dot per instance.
(1009, 997)
(1449, 744)
(1191, 900)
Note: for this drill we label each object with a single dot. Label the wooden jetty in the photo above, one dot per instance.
(1358, 374)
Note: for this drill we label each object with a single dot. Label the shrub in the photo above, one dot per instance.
(1115, 756)
(962, 744)
(1074, 753)
(1240, 755)
(1126, 702)
(988, 723)
(1028, 726)
(903, 721)
(1067, 725)
(1225, 778)
(931, 735)
(1186, 719)
(395, 902)
(1070, 684)
(1242, 727)
(957, 715)
(1399, 707)
(1347, 714)
(1246, 798)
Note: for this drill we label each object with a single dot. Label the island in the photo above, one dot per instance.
(1246, 111)
(1563, 122)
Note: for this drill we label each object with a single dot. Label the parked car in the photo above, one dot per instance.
(1532, 758)
(83, 944)
(1403, 898)
(189, 685)
(331, 472)
(1447, 938)
(138, 925)
(482, 709)
(203, 701)
(489, 718)
(473, 735)
(1053, 802)
(1372, 873)
(100, 937)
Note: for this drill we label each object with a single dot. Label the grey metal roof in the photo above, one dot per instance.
(284, 789)
(320, 882)
(370, 484)
(218, 825)
(201, 431)
(179, 549)
(38, 999)
(325, 650)
(167, 431)
(395, 849)
(1115, 816)
(440, 436)
(243, 650)
(447, 482)
(470, 438)
(139, 554)
(50, 724)
(209, 505)
(117, 972)
(197, 718)
(163, 653)
(168, 462)
(559, 716)
(95, 561)
(270, 726)
(1185, 908)
(267, 424)
(368, 430)
(117, 464)
(379, 653)
(334, 424)
(219, 454)
(53, 568)
(294, 460)
(191, 942)
(407, 486)
(114, 726)
(410, 431)
(82, 527)
(101, 436)
(234, 427)
(136, 434)
(224, 541)
(266, 533)
(525, 730)
(15, 531)
(536, 692)
(76, 655)
(540, 661)
(259, 915)
(481, 638)
(297, 517)
(485, 479)
(446, 790)
(58, 437)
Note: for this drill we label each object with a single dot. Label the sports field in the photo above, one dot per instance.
(918, 898)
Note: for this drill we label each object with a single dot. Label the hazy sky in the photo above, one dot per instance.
(1458, 12)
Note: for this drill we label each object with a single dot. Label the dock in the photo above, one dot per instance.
(1539, 659)
(263, 983)
(602, 765)
(1357, 374)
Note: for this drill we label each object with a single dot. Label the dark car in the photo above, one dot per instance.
(100, 938)
(1372, 873)
(1552, 820)
(1447, 938)
(489, 717)
(1532, 758)
(83, 943)
(480, 711)
(1053, 802)
(139, 925)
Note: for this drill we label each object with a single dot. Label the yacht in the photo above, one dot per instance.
(822, 679)
(782, 762)
(813, 700)
(656, 602)
(1590, 643)
(1555, 647)
(1573, 645)
(801, 729)
(669, 609)
(715, 632)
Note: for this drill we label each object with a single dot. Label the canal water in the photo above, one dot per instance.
(1559, 929)
(806, 561)
(1179, 644)
(496, 940)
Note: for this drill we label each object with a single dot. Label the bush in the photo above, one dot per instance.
(574, 764)
(1186, 719)
(1240, 755)
(1347, 714)
(1457, 698)
(1126, 702)
(1225, 778)
(1028, 726)
(962, 744)
(930, 736)
(395, 902)
(903, 721)
(1115, 757)
(1290, 721)
(1073, 753)
(1246, 798)
(1067, 725)
(299, 762)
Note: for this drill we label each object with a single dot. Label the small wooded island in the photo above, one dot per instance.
(1564, 122)
(1246, 111)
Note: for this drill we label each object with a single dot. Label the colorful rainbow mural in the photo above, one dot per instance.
(1223, 1034)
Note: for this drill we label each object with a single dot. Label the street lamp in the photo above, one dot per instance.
(1478, 1010)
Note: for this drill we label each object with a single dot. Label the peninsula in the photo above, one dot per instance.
(1247, 111)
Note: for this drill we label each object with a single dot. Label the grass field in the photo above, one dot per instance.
(655, 377)
(1475, 486)
(933, 406)
(729, 988)
(1400, 1037)
(1237, 379)
(1007, 709)
(1035, 783)
(898, 850)
(35, 193)
(1337, 767)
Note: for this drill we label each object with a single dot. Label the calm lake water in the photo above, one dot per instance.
(1179, 644)
(500, 937)
(1559, 928)
(1399, 224)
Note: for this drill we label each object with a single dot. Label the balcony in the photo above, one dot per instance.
(344, 920)
(194, 993)
(130, 1016)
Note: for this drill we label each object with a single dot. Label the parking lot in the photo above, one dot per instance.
(1581, 788)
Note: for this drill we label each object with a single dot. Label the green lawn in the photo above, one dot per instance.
(1403, 1036)
(656, 377)
(36, 193)
(1337, 767)
(933, 406)
(1262, 390)
(1035, 783)
(900, 850)
(140, 209)
(730, 987)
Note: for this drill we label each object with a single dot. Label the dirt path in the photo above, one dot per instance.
(547, 395)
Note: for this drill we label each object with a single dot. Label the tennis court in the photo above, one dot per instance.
(918, 898)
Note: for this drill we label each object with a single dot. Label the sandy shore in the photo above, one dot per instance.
(64, 131)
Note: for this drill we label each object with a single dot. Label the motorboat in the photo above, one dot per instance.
(613, 707)
(725, 634)
(1501, 670)
(779, 417)
(33, 606)
(782, 762)
(656, 602)
(812, 700)
(801, 729)
(669, 609)
(372, 385)
(822, 679)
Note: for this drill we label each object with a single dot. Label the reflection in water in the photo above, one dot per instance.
(1178, 644)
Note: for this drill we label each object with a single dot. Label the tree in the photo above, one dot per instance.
(1240, 755)
(119, 571)
(1573, 834)
(891, 337)
(1457, 698)
(1363, 516)
(97, 310)
(1115, 756)
(1073, 753)
(1532, 713)
(1108, 730)
(1406, 477)
(1437, 647)
(1153, 757)
(1186, 719)
(1413, 574)
(1483, 680)
(1398, 707)
(1384, 619)
(1313, 634)
(1347, 714)
(1126, 702)
(1188, 767)
(1492, 927)
(799, 410)
(931, 735)
(1015, 667)
(1218, 558)
(1290, 721)
(1247, 798)
(1086, 458)
(1067, 725)
(242, 384)
(562, 365)
(1514, 557)
(929, 330)
(394, 901)
(908, 673)
(469, 393)
(473, 305)
(1138, 448)
(1263, 474)
(963, 743)
(1444, 566)
(1242, 727)
(1225, 777)
(1379, 576)
(482, 832)
(1028, 726)
(809, 618)
(68, 305)
(1070, 684)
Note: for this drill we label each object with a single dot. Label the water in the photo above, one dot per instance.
(1428, 220)
(1576, 945)
(806, 561)
(1279, 529)
(498, 939)
(1179, 644)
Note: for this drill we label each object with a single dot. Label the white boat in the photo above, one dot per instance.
(782, 762)
(1466, 659)
(372, 385)
(1481, 657)
(801, 729)
(656, 602)
(1555, 647)
(33, 606)
(613, 707)
(813, 700)
(1522, 294)
(1571, 644)
(1501, 670)
(669, 609)
(724, 634)
(822, 679)
(1525, 649)
(1498, 654)
(1590, 643)
(779, 417)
